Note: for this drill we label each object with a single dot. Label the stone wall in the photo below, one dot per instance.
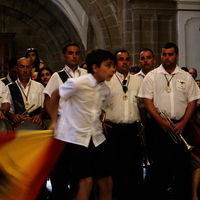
(110, 24)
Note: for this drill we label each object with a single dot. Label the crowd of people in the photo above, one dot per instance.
(115, 118)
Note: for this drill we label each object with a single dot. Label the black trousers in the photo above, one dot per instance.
(125, 153)
(60, 177)
(170, 164)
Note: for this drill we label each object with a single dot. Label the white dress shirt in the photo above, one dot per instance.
(140, 74)
(3, 94)
(34, 94)
(183, 90)
(119, 110)
(55, 81)
(80, 120)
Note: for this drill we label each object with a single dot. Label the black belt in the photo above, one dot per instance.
(122, 124)
(175, 121)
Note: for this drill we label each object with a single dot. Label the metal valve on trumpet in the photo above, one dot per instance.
(177, 138)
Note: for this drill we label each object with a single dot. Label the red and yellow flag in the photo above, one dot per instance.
(26, 159)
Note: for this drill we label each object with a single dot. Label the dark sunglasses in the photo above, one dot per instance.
(124, 87)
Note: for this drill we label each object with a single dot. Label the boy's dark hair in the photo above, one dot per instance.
(69, 44)
(147, 49)
(121, 51)
(97, 56)
(171, 45)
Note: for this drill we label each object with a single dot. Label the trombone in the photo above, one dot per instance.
(177, 138)
(146, 161)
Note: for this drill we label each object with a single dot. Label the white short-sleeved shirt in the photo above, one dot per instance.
(3, 94)
(55, 81)
(140, 74)
(183, 90)
(119, 110)
(35, 94)
(80, 118)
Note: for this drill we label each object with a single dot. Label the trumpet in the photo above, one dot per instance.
(177, 138)
(146, 161)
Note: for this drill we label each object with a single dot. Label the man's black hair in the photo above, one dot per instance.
(121, 51)
(147, 49)
(69, 44)
(171, 45)
(12, 62)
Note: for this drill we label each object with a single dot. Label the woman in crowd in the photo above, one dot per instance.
(44, 74)
(33, 55)
(195, 154)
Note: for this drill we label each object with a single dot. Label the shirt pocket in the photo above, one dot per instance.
(181, 89)
(133, 97)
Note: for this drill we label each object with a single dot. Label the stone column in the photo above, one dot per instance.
(154, 24)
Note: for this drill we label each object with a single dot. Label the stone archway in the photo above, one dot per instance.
(41, 25)
(48, 26)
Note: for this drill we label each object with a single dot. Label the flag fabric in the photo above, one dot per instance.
(26, 159)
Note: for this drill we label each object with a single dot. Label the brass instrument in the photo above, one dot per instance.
(177, 138)
(146, 161)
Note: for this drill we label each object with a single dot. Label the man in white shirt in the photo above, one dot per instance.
(4, 100)
(122, 112)
(71, 56)
(171, 89)
(25, 94)
(80, 126)
(146, 62)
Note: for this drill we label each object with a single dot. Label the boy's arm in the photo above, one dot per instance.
(54, 103)
(4, 109)
(47, 100)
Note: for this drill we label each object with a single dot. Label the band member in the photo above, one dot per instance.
(71, 56)
(122, 112)
(171, 89)
(25, 95)
(4, 101)
(146, 62)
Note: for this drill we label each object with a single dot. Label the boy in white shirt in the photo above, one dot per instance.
(80, 125)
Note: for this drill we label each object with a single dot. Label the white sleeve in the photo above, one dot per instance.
(146, 89)
(4, 98)
(194, 91)
(67, 89)
(53, 84)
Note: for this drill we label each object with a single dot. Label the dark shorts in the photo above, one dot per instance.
(194, 165)
(89, 162)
